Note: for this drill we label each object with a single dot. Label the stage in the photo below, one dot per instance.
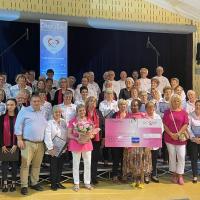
(106, 190)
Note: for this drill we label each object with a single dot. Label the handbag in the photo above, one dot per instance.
(9, 156)
(182, 136)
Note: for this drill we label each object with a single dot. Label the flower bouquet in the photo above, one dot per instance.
(86, 131)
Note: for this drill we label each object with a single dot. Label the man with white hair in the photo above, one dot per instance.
(145, 82)
(190, 106)
(125, 93)
(164, 82)
(123, 76)
(116, 85)
(93, 83)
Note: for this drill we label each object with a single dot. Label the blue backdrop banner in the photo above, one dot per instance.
(53, 47)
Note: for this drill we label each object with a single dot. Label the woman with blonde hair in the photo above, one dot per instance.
(176, 122)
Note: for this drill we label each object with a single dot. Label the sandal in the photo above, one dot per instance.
(140, 186)
(76, 188)
(88, 187)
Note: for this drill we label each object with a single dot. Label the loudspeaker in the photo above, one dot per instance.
(198, 54)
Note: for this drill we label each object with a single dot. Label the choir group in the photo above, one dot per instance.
(34, 112)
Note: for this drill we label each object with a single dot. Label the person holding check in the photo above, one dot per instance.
(194, 133)
(30, 128)
(56, 127)
(8, 144)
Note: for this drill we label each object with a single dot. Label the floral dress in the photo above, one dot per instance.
(137, 160)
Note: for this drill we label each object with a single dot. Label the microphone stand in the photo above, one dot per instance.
(150, 45)
(12, 45)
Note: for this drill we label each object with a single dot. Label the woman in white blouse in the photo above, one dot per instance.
(108, 107)
(68, 108)
(194, 132)
(56, 127)
(151, 114)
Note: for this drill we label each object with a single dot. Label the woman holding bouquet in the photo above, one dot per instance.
(175, 125)
(137, 160)
(80, 144)
(96, 117)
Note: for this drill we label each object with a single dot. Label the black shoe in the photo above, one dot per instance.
(155, 179)
(12, 188)
(94, 182)
(24, 191)
(60, 186)
(5, 188)
(54, 187)
(37, 187)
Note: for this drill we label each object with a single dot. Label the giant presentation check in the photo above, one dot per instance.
(133, 133)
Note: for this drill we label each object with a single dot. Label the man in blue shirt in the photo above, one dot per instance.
(29, 128)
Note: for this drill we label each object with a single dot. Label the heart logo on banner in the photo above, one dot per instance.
(53, 44)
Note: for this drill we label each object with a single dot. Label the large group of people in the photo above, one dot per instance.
(33, 112)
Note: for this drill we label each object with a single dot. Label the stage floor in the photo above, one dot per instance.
(106, 190)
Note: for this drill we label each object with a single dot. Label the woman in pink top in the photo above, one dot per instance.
(79, 149)
(175, 122)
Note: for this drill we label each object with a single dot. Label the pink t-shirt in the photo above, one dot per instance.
(73, 144)
(181, 118)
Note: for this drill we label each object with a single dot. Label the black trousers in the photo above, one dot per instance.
(154, 156)
(5, 170)
(117, 158)
(195, 152)
(56, 166)
(95, 159)
(106, 153)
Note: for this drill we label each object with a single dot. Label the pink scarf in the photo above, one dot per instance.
(60, 96)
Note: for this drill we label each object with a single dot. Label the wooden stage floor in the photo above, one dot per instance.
(106, 190)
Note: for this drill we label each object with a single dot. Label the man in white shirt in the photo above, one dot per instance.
(145, 82)
(123, 76)
(93, 83)
(116, 85)
(163, 80)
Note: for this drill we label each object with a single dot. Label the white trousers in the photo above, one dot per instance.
(87, 166)
(176, 158)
